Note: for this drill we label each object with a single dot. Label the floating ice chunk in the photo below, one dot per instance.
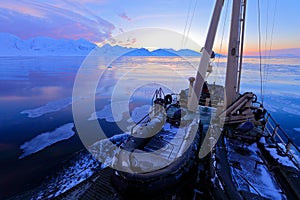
(104, 91)
(104, 150)
(46, 139)
(292, 109)
(297, 129)
(107, 114)
(271, 108)
(139, 112)
(48, 108)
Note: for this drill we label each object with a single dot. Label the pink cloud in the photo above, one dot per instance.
(56, 20)
(124, 16)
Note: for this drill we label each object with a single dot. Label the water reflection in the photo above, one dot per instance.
(28, 83)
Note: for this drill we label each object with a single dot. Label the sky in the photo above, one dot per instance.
(97, 20)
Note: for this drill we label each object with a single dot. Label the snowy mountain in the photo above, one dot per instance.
(11, 45)
(163, 52)
(138, 52)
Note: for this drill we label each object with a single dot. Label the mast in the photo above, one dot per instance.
(235, 49)
(206, 53)
(242, 44)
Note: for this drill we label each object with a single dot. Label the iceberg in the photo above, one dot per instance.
(46, 139)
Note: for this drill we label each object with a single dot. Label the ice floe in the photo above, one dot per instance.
(46, 139)
(107, 112)
(105, 150)
(292, 109)
(297, 129)
(271, 108)
(48, 108)
(139, 112)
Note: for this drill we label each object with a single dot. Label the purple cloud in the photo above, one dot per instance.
(33, 19)
(124, 16)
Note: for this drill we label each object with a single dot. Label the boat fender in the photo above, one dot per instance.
(168, 99)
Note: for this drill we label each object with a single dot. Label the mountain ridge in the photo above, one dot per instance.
(11, 45)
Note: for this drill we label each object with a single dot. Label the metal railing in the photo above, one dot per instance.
(279, 136)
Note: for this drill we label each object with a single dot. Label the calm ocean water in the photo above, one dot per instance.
(36, 98)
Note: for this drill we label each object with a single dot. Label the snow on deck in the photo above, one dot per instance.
(277, 155)
(249, 172)
(175, 139)
(169, 144)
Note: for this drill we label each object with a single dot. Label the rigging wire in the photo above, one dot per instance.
(187, 27)
(222, 37)
(260, 56)
(186, 24)
(184, 31)
(267, 24)
(266, 40)
(271, 39)
(191, 20)
(265, 46)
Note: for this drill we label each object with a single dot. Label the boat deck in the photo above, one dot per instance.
(94, 188)
(101, 188)
(246, 170)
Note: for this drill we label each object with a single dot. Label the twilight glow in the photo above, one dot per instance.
(96, 20)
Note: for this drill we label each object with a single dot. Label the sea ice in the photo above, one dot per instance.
(297, 129)
(292, 109)
(81, 166)
(78, 168)
(139, 112)
(107, 114)
(46, 139)
(104, 150)
(48, 108)
(271, 108)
